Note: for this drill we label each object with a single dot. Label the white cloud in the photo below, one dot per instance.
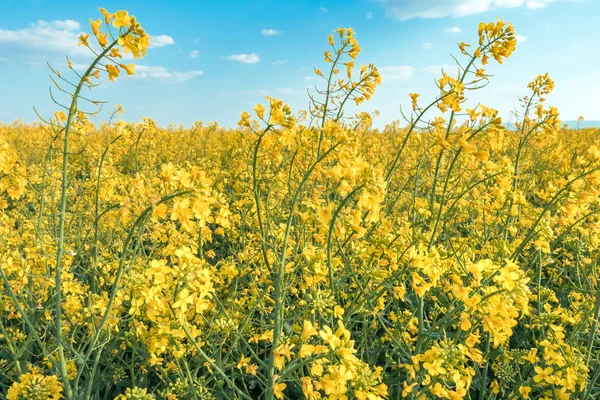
(76, 66)
(454, 29)
(164, 74)
(194, 53)
(161, 41)
(67, 24)
(536, 4)
(150, 72)
(397, 73)
(276, 91)
(408, 9)
(323, 9)
(251, 58)
(428, 45)
(270, 32)
(520, 38)
(369, 15)
(280, 62)
(437, 69)
(311, 79)
(59, 37)
(263, 92)
(53, 36)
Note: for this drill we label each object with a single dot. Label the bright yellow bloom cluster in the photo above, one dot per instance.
(496, 38)
(340, 90)
(12, 175)
(35, 386)
(131, 38)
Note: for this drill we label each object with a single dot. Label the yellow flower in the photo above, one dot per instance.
(83, 39)
(531, 356)
(308, 330)
(35, 386)
(114, 53)
(259, 109)
(122, 19)
(413, 98)
(481, 28)
(439, 390)
(349, 65)
(306, 350)
(113, 71)
(329, 337)
(60, 116)
(96, 25)
(107, 15)
(278, 388)
(495, 387)
(244, 361)
(543, 374)
(128, 68)
(525, 390)
(252, 369)
(102, 39)
(245, 119)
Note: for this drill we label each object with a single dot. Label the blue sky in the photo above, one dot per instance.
(211, 60)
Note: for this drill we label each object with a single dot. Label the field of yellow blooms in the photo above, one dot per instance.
(302, 255)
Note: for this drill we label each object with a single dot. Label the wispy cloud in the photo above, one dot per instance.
(51, 36)
(74, 65)
(311, 79)
(428, 45)
(161, 41)
(520, 38)
(323, 9)
(251, 58)
(67, 24)
(535, 4)
(282, 91)
(3, 59)
(369, 15)
(279, 91)
(59, 37)
(270, 32)
(397, 73)
(276, 91)
(280, 62)
(164, 74)
(454, 29)
(159, 72)
(194, 53)
(408, 9)
(437, 69)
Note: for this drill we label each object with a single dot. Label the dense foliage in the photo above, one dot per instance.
(302, 255)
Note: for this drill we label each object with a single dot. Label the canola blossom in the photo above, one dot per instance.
(302, 255)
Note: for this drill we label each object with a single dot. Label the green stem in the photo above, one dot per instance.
(209, 361)
(119, 275)
(278, 325)
(590, 344)
(61, 225)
